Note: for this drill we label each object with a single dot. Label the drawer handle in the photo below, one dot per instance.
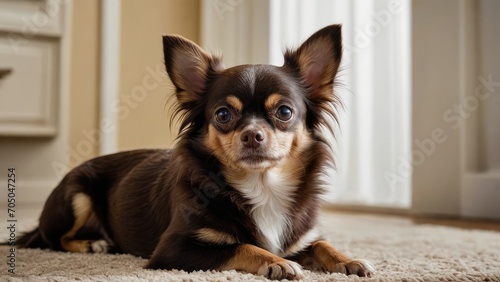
(5, 72)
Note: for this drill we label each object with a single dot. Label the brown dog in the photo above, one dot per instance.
(240, 190)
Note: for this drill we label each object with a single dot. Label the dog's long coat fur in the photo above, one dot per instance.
(212, 203)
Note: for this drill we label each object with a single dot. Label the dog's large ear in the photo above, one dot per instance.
(316, 61)
(188, 67)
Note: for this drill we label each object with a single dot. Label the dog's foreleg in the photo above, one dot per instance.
(252, 259)
(322, 256)
(217, 250)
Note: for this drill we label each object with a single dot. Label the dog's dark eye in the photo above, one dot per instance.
(223, 115)
(284, 113)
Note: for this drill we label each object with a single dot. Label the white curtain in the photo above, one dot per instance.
(373, 140)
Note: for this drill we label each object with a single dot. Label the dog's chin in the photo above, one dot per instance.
(257, 163)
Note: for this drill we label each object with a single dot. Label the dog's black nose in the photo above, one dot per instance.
(253, 138)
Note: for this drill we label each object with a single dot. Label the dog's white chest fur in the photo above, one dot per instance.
(271, 195)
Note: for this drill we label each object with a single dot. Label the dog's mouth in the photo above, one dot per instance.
(257, 161)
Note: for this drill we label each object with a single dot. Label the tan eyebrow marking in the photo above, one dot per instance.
(272, 101)
(234, 102)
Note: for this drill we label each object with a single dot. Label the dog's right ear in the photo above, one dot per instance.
(188, 67)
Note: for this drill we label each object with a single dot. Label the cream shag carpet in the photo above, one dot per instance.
(399, 249)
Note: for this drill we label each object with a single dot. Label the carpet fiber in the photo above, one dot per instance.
(399, 249)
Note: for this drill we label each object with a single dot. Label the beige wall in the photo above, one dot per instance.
(84, 85)
(144, 87)
(144, 114)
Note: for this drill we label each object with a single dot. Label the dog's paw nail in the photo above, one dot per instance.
(99, 246)
(282, 270)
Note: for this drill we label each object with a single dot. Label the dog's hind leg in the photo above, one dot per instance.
(82, 211)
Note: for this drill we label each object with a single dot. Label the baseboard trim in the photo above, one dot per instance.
(32, 192)
(367, 209)
(480, 194)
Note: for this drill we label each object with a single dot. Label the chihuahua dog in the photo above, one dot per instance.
(241, 188)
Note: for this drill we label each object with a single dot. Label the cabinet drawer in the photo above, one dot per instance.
(27, 18)
(28, 87)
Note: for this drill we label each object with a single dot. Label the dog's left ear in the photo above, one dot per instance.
(317, 61)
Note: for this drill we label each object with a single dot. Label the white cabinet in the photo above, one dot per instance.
(34, 99)
(28, 89)
(29, 18)
(30, 35)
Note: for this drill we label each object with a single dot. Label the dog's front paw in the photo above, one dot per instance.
(358, 267)
(283, 269)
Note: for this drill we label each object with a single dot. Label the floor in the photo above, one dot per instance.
(464, 223)
(27, 218)
(29, 215)
(402, 248)
(459, 223)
